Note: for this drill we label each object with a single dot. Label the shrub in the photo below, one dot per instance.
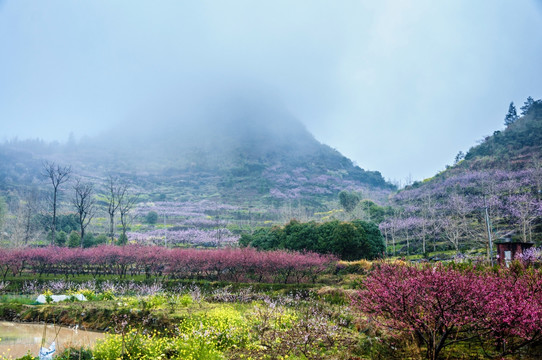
(186, 300)
(359, 267)
(122, 240)
(151, 217)
(74, 239)
(61, 238)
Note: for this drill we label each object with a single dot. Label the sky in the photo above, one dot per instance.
(398, 86)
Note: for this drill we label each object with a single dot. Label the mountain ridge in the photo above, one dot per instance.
(256, 151)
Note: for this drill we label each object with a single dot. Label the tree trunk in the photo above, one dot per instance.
(53, 230)
(112, 227)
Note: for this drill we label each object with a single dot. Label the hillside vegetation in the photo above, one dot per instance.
(208, 176)
(204, 183)
(497, 185)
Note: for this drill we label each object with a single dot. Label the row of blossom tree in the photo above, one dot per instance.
(236, 265)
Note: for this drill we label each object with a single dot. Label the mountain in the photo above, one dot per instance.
(232, 151)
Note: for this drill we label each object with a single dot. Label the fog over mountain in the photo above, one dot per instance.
(397, 86)
(219, 127)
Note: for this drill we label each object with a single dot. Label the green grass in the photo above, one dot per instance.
(18, 299)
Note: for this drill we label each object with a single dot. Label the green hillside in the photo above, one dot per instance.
(511, 148)
(500, 177)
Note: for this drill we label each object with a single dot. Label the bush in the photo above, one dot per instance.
(354, 267)
(106, 295)
(89, 240)
(61, 238)
(151, 217)
(74, 239)
(122, 240)
(186, 300)
(100, 239)
(133, 344)
(27, 357)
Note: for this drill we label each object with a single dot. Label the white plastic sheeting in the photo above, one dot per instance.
(47, 353)
(57, 298)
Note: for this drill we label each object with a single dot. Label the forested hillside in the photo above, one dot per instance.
(497, 184)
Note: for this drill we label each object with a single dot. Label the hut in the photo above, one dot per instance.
(507, 249)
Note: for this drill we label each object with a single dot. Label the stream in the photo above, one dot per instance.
(18, 338)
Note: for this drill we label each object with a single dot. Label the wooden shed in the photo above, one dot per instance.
(508, 249)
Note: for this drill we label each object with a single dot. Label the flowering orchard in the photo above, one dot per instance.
(236, 265)
(197, 237)
(440, 306)
(186, 210)
(454, 210)
(299, 183)
(190, 223)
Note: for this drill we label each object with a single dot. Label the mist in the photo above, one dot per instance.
(397, 86)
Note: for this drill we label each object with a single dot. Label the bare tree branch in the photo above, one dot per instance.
(126, 205)
(58, 175)
(83, 201)
(115, 196)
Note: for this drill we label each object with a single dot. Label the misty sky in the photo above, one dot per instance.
(397, 86)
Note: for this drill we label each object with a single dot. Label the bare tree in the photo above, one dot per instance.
(115, 197)
(290, 211)
(125, 206)
(455, 221)
(29, 207)
(430, 226)
(58, 175)
(83, 201)
(22, 228)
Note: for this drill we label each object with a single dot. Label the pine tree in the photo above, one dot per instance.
(460, 156)
(512, 115)
(527, 106)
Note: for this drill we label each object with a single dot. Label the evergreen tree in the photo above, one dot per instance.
(460, 156)
(349, 200)
(74, 240)
(122, 240)
(527, 106)
(512, 115)
(348, 240)
(151, 217)
(61, 238)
